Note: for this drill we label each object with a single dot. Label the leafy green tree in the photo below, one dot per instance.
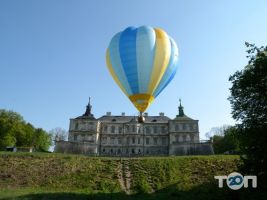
(227, 142)
(249, 107)
(10, 123)
(42, 140)
(14, 131)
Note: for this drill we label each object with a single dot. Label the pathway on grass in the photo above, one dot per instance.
(124, 176)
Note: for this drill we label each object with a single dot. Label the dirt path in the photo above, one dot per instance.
(124, 176)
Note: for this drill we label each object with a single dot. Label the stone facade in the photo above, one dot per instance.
(123, 135)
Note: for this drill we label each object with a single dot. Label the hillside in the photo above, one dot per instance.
(60, 176)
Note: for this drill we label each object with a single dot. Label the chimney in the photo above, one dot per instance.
(108, 114)
(145, 114)
(161, 114)
(123, 114)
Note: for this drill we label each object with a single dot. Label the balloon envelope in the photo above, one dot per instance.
(142, 61)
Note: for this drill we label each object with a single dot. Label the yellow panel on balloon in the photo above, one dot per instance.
(141, 101)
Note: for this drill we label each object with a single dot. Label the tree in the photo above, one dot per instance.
(14, 131)
(249, 89)
(249, 107)
(219, 131)
(228, 142)
(59, 134)
(42, 139)
(10, 123)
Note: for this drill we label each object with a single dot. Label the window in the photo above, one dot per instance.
(139, 151)
(188, 138)
(105, 128)
(112, 140)
(176, 127)
(111, 150)
(76, 125)
(133, 140)
(119, 140)
(177, 138)
(75, 137)
(155, 130)
(119, 151)
(120, 129)
(83, 127)
(133, 152)
(155, 141)
(112, 129)
(104, 150)
(127, 128)
(148, 129)
(128, 140)
(184, 138)
(184, 126)
(133, 128)
(104, 140)
(139, 141)
(147, 140)
(163, 129)
(164, 141)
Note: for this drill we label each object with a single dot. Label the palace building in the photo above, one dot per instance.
(122, 135)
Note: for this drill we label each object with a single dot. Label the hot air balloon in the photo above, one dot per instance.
(142, 61)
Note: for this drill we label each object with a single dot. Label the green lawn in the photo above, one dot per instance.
(61, 176)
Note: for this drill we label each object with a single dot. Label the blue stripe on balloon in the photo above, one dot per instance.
(127, 48)
(159, 89)
(170, 71)
(145, 51)
(115, 61)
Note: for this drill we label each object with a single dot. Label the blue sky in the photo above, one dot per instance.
(52, 56)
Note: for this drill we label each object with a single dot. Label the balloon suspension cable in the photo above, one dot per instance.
(141, 118)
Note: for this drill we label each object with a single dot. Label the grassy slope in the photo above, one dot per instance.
(59, 176)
